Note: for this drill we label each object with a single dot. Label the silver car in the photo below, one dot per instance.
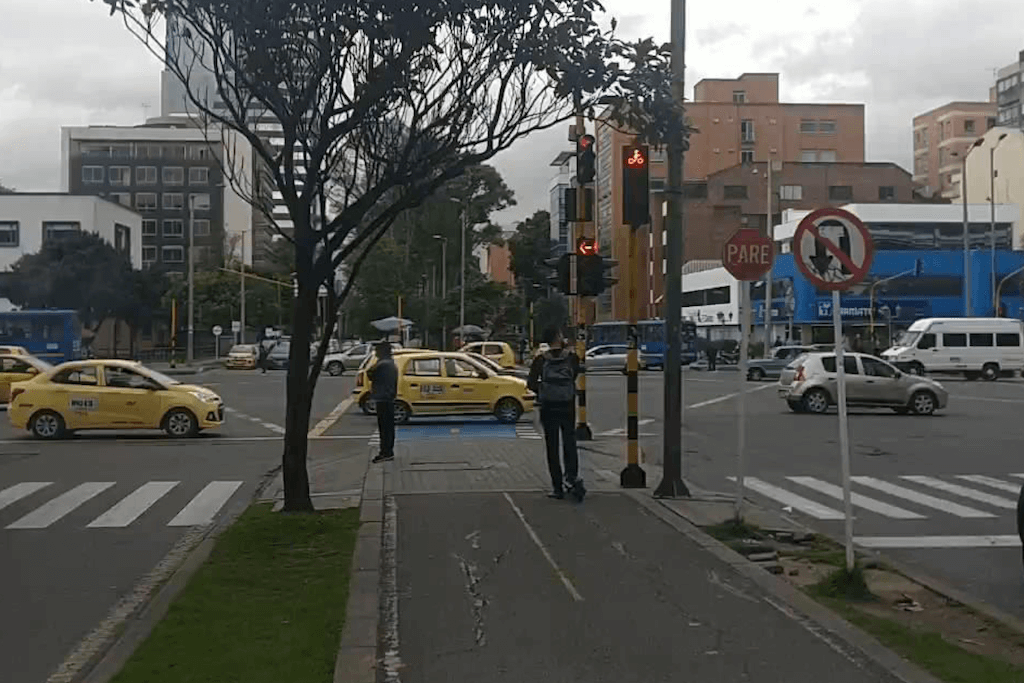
(771, 368)
(809, 385)
(612, 357)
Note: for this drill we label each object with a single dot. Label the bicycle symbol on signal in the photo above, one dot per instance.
(637, 159)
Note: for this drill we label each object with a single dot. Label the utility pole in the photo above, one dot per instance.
(444, 290)
(672, 485)
(190, 352)
(241, 316)
(768, 294)
(462, 287)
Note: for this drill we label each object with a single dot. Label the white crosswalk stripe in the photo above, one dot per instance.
(527, 431)
(920, 498)
(990, 481)
(47, 514)
(857, 499)
(962, 491)
(789, 499)
(204, 507)
(133, 505)
(13, 494)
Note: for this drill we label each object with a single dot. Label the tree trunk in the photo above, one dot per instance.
(299, 401)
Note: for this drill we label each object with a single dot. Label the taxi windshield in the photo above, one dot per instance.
(162, 378)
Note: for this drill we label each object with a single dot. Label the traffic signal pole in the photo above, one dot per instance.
(583, 431)
(633, 476)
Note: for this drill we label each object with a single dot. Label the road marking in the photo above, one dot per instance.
(962, 491)
(792, 500)
(986, 398)
(857, 499)
(47, 514)
(133, 505)
(335, 415)
(938, 541)
(645, 421)
(202, 509)
(990, 481)
(734, 394)
(921, 498)
(13, 494)
(544, 551)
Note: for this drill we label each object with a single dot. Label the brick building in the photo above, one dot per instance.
(941, 136)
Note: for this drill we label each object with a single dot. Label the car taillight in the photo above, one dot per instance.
(15, 392)
(799, 375)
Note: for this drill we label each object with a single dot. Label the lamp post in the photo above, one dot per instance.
(444, 290)
(967, 225)
(992, 207)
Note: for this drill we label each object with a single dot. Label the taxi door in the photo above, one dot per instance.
(130, 399)
(422, 385)
(467, 391)
(13, 370)
(74, 392)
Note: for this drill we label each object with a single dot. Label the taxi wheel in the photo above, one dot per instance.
(334, 368)
(402, 412)
(47, 424)
(181, 423)
(508, 411)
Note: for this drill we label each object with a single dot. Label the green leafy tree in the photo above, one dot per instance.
(381, 107)
(531, 246)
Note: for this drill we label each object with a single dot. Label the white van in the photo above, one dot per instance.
(976, 347)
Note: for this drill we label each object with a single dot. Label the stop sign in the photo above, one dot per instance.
(748, 254)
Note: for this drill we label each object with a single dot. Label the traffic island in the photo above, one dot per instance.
(268, 604)
(941, 635)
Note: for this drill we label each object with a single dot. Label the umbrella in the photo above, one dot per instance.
(391, 324)
(469, 329)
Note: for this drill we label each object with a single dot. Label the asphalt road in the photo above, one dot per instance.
(83, 521)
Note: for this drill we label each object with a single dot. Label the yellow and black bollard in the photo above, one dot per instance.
(633, 476)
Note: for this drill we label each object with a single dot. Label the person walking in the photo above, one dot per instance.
(264, 352)
(712, 356)
(383, 378)
(553, 378)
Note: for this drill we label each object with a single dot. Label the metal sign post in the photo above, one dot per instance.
(833, 248)
(747, 255)
(217, 331)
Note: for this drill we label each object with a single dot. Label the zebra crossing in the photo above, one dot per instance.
(117, 508)
(902, 497)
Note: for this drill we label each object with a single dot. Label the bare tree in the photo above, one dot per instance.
(380, 103)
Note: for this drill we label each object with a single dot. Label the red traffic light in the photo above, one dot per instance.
(635, 158)
(586, 142)
(586, 246)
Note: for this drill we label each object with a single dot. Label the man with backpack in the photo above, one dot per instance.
(553, 379)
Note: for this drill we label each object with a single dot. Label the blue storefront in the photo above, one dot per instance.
(803, 313)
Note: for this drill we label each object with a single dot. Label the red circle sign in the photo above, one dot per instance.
(833, 249)
(748, 254)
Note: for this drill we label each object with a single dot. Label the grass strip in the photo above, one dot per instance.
(267, 605)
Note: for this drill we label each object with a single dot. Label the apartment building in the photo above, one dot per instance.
(561, 230)
(738, 122)
(1010, 94)
(941, 136)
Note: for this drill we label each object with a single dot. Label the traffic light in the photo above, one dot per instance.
(559, 279)
(592, 270)
(570, 205)
(636, 193)
(586, 246)
(586, 159)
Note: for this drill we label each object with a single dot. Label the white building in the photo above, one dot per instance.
(1001, 151)
(29, 219)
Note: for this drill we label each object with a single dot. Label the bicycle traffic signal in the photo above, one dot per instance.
(636, 192)
(586, 159)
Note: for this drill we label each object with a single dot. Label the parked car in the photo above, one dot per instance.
(15, 367)
(242, 356)
(977, 347)
(500, 352)
(809, 385)
(613, 357)
(353, 359)
(771, 368)
(494, 367)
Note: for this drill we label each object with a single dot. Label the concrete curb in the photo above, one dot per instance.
(356, 661)
(795, 603)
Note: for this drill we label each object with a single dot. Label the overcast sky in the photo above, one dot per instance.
(67, 62)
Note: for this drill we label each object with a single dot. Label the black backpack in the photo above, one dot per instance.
(557, 380)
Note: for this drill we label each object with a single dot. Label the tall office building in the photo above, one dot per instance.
(941, 136)
(1010, 94)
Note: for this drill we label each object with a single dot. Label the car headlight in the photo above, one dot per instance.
(206, 396)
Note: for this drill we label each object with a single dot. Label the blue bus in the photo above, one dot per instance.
(652, 338)
(53, 335)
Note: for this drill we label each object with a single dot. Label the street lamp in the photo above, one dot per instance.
(992, 206)
(967, 225)
(444, 289)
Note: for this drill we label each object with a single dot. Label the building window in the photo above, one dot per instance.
(201, 226)
(747, 130)
(173, 254)
(174, 227)
(199, 175)
(792, 193)
(695, 190)
(968, 125)
(122, 198)
(990, 122)
(120, 175)
(123, 238)
(145, 175)
(827, 127)
(10, 232)
(173, 201)
(739, 96)
(808, 156)
(174, 175)
(92, 175)
(840, 193)
(735, 192)
(199, 153)
(746, 156)
(817, 155)
(148, 256)
(149, 226)
(886, 193)
(200, 201)
(55, 230)
(204, 255)
(145, 201)
(808, 126)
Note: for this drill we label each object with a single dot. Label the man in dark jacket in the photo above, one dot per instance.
(553, 379)
(263, 351)
(383, 378)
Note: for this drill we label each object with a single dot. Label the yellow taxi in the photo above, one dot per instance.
(111, 394)
(18, 368)
(242, 356)
(14, 350)
(362, 388)
(452, 383)
(500, 352)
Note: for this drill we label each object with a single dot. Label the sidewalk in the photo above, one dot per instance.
(482, 577)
